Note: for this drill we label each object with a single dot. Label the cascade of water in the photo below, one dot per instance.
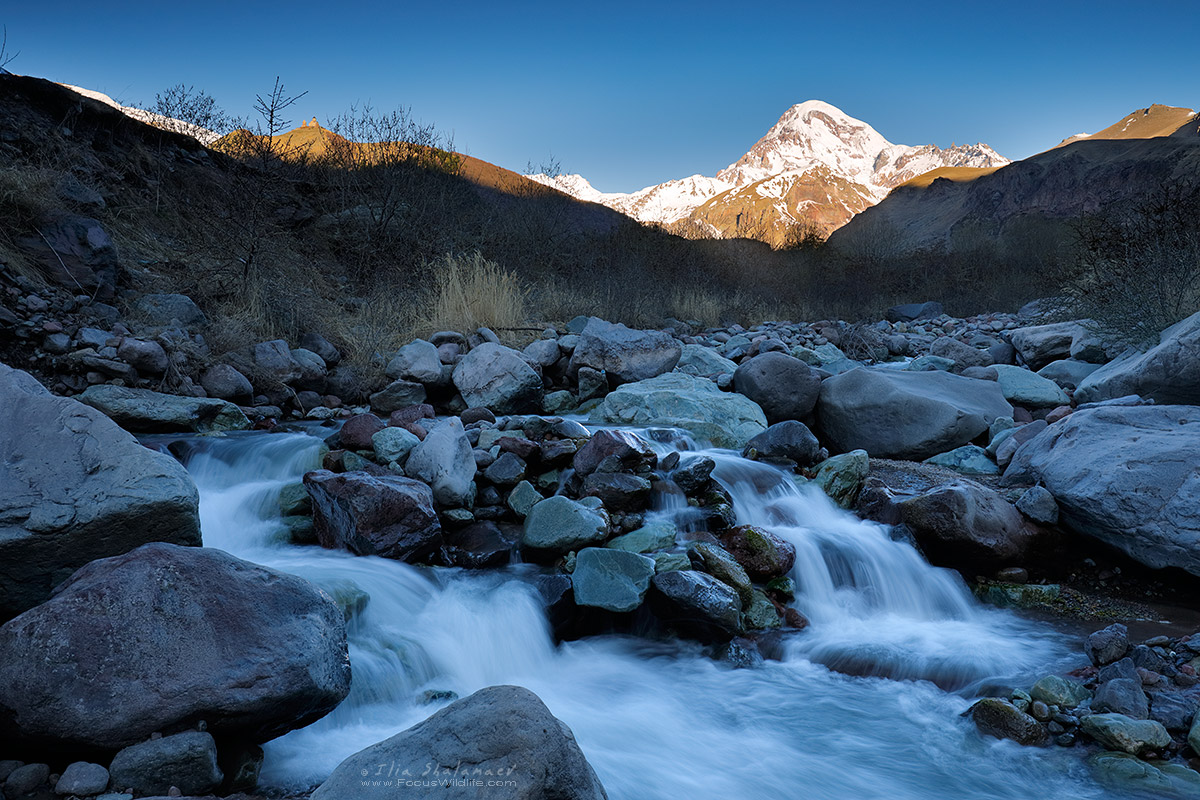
(660, 720)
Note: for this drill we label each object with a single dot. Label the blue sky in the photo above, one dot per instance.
(634, 93)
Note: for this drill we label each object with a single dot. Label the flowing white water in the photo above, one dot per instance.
(661, 720)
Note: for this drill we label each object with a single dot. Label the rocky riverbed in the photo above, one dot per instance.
(583, 455)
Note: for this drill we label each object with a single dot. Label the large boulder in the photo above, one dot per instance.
(1125, 475)
(787, 442)
(502, 734)
(1038, 345)
(783, 386)
(1169, 372)
(685, 401)
(704, 362)
(74, 488)
(168, 310)
(416, 361)
(965, 524)
(268, 364)
(1024, 388)
(77, 253)
(147, 411)
(369, 515)
(497, 377)
(444, 461)
(630, 452)
(163, 637)
(625, 355)
(614, 580)
(910, 415)
(559, 524)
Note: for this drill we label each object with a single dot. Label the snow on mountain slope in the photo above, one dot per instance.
(813, 145)
(202, 135)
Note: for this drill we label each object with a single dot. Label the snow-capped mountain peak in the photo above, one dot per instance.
(812, 143)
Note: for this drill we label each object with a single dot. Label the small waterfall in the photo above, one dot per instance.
(660, 720)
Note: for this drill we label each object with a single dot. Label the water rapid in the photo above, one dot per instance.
(661, 719)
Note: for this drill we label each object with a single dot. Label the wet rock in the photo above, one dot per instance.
(187, 760)
(785, 388)
(1059, 691)
(1003, 720)
(498, 378)
(1122, 696)
(1136, 778)
(624, 355)
(841, 477)
(761, 553)
(522, 498)
(630, 452)
(787, 442)
(512, 734)
(648, 538)
(614, 580)
(967, 524)
(693, 474)
(142, 642)
(698, 604)
(683, 401)
(145, 411)
(1119, 732)
(369, 515)
(74, 488)
(558, 524)
(724, 567)
(618, 491)
(481, 545)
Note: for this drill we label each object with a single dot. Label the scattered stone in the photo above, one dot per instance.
(648, 538)
(145, 411)
(698, 604)
(1038, 504)
(1119, 732)
(396, 395)
(841, 477)
(444, 461)
(788, 442)
(26, 779)
(1058, 691)
(1167, 373)
(558, 525)
(761, 553)
(82, 779)
(970, 459)
(187, 760)
(392, 445)
(614, 580)
(498, 378)
(1122, 696)
(386, 515)
(512, 734)
(624, 355)
(1001, 719)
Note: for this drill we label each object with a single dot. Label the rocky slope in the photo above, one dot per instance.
(816, 164)
(1126, 161)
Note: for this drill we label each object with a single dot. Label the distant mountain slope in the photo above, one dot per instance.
(1071, 179)
(816, 164)
(202, 135)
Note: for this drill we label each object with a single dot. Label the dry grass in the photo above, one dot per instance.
(27, 195)
(374, 329)
(471, 292)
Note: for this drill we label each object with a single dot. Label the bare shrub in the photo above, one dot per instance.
(471, 292)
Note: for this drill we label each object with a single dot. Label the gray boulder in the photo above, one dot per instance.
(909, 415)
(445, 462)
(1122, 696)
(417, 361)
(964, 524)
(168, 310)
(558, 525)
(502, 733)
(1038, 504)
(267, 363)
(704, 362)
(788, 442)
(497, 377)
(1068, 373)
(312, 370)
(783, 386)
(370, 515)
(1119, 732)
(226, 383)
(76, 253)
(318, 344)
(74, 488)
(911, 312)
(697, 604)
(162, 637)
(397, 395)
(625, 355)
(961, 353)
(1038, 345)
(82, 779)
(1001, 719)
(685, 401)
(1024, 388)
(1125, 475)
(614, 580)
(1109, 645)
(146, 411)
(186, 760)
(1169, 372)
(146, 357)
